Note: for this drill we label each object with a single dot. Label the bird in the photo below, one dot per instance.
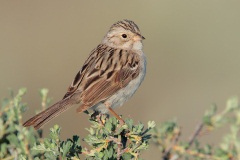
(111, 74)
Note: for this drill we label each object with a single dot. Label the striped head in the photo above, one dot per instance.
(124, 34)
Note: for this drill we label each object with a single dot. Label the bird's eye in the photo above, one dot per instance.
(124, 35)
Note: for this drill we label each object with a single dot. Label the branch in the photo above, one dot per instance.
(195, 134)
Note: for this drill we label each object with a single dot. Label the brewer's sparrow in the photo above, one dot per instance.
(108, 78)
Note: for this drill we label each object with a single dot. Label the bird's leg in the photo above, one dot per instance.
(114, 113)
(99, 119)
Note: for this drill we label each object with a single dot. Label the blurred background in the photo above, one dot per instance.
(192, 48)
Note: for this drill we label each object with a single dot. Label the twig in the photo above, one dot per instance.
(9, 158)
(195, 134)
(166, 153)
(119, 145)
(183, 150)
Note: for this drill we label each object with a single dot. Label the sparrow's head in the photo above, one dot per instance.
(124, 34)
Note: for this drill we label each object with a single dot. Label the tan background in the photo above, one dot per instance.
(192, 46)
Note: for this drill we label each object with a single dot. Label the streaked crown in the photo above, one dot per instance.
(127, 25)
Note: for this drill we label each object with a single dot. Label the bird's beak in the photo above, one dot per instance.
(138, 37)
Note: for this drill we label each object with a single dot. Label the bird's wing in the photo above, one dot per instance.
(88, 65)
(106, 71)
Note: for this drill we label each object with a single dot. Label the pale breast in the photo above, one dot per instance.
(125, 93)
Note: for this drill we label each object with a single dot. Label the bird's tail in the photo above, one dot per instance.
(42, 118)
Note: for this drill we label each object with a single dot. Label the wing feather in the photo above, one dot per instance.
(104, 86)
(105, 72)
(86, 67)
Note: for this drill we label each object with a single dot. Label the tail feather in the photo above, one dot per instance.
(45, 116)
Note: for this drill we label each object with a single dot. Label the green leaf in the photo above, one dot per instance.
(110, 152)
(108, 126)
(232, 104)
(129, 123)
(21, 92)
(207, 118)
(66, 147)
(127, 156)
(151, 124)
(44, 92)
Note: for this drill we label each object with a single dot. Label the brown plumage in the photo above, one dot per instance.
(108, 70)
